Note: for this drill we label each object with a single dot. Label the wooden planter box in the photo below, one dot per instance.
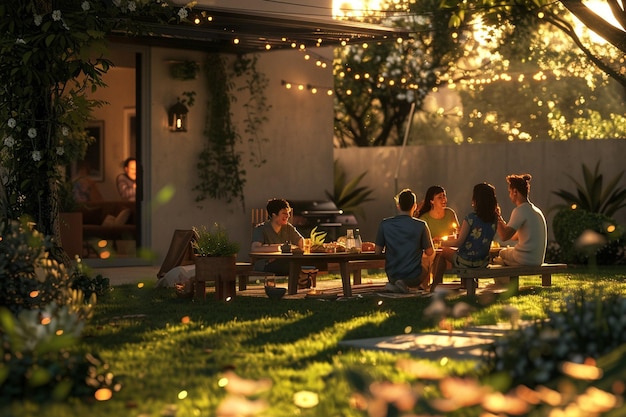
(221, 270)
(71, 233)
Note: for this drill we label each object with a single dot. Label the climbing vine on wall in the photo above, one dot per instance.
(256, 107)
(219, 165)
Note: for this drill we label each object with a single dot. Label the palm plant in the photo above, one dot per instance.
(348, 195)
(591, 196)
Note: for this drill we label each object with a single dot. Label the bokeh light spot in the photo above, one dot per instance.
(103, 394)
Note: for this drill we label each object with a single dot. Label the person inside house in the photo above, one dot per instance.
(127, 182)
(270, 235)
(84, 188)
(471, 248)
(404, 239)
(527, 225)
(442, 222)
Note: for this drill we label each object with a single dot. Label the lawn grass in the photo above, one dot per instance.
(169, 354)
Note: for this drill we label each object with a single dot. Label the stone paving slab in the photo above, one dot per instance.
(467, 344)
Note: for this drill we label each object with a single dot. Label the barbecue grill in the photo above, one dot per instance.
(307, 214)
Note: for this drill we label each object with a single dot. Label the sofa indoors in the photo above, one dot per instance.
(109, 220)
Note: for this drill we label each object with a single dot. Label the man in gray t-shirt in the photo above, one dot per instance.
(404, 239)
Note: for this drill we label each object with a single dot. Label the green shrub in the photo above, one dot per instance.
(585, 326)
(570, 224)
(81, 280)
(29, 278)
(37, 362)
(592, 195)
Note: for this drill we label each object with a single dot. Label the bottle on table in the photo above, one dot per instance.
(357, 240)
(350, 244)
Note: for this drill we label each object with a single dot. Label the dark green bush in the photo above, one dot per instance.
(584, 326)
(98, 285)
(570, 224)
(29, 278)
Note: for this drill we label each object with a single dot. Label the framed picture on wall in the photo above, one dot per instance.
(93, 163)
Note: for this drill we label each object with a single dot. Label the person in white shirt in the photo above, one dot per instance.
(527, 225)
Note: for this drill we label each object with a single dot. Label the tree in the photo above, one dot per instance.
(376, 84)
(52, 57)
(515, 12)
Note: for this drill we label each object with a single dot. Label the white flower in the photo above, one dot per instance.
(38, 19)
(20, 41)
(183, 13)
(36, 156)
(12, 123)
(56, 15)
(85, 5)
(60, 150)
(32, 133)
(9, 141)
(65, 131)
(132, 6)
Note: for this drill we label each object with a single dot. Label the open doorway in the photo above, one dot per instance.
(112, 226)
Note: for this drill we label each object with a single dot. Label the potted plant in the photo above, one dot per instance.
(215, 259)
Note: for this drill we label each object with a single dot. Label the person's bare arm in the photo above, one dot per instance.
(260, 247)
(505, 232)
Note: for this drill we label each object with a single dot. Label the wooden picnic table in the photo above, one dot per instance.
(319, 261)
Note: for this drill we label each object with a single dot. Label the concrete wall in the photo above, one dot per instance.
(459, 167)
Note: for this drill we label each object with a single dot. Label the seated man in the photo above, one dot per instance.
(527, 225)
(404, 240)
(270, 235)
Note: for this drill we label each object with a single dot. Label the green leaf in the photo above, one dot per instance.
(49, 40)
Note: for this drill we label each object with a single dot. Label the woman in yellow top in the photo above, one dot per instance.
(442, 221)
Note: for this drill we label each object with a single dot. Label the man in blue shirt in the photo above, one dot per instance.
(404, 239)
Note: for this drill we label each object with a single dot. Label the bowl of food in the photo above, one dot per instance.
(275, 293)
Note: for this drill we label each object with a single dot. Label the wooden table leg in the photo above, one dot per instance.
(345, 279)
(294, 275)
(514, 285)
(470, 286)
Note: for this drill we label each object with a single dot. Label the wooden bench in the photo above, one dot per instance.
(469, 275)
(245, 270)
(355, 268)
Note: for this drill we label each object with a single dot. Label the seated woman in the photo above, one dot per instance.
(471, 248)
(441, 220)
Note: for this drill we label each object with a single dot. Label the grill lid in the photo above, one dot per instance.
(310, 208)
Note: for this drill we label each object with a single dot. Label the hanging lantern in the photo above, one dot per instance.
(177, 115)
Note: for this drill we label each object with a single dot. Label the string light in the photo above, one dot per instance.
(313, 89)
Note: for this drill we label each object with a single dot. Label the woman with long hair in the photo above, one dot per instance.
(471, 248)
(441, 220)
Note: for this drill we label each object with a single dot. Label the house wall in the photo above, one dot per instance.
(299, 149)
(459, 167)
